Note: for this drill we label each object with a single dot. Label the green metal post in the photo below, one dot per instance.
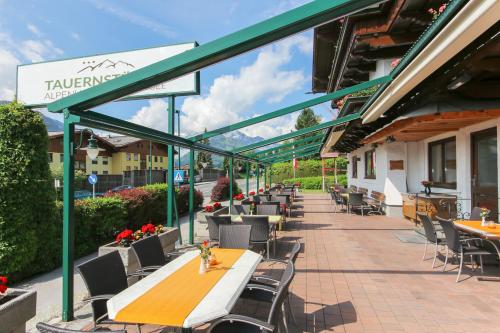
(178, 134)
(171, 165)
(191, 196)
(247, 168)
(231, 161)
(270, 176)
(265, 178)
(150, 162)
(68, 218)
(258, 177)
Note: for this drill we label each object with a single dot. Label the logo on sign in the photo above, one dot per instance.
(178, 176)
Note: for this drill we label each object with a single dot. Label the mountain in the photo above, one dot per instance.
(227, 141)
(52, 124)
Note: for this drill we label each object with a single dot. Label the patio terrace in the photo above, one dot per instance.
(354, 274)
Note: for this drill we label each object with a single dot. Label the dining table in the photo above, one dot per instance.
(179, 295)
(491, 231)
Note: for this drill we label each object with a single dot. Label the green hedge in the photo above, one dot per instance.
(315, 183)
(307, 168)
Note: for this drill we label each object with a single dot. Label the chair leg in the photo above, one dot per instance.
(435, 255)
(267, 249)
(446, 259)
(460, 268)
(425, 250)
(481, 263)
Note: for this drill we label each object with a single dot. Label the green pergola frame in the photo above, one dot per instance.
(75, 109)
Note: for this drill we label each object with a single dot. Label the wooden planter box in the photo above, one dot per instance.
(202, 216)
(20, 306)
(167, 239)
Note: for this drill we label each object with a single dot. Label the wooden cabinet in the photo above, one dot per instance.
(441, 205)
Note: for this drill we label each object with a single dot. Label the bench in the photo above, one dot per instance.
(353, 188)
(377, 201)
(363, 190)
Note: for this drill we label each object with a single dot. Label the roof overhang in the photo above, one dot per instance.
(476, 17)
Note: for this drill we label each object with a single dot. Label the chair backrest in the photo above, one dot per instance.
(355, 199)
(281, 295)
(46, 328)
(475, 214)
(430, 231)
(240, 209)
(213, 226)
(234, 236)
(451, 233)
(149, 251)
(256, 198)
(295, 252)
(363, 190)
(353, 188)
(260, 227)
(104, 275)
(268, 209)
(378, 196)
(264, 197)
(282, 199)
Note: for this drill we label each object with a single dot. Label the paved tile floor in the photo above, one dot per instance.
(355, 275)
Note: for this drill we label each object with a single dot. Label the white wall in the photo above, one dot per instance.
(415, 157)
(383, 67)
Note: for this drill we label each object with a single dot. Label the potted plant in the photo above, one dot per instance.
(204, 256)
(215, 209)
(239, 199)
(123, 240)
(427, 187)
(17, 306)
(485, 213)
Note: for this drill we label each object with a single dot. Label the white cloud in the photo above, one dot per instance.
(34, 30)
(75, 36)
(231, 97)
(13, 53)
(134, 18)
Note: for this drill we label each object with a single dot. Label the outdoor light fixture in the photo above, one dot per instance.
(92, 148)
(459, 81)
(390, 139)
(204, 164)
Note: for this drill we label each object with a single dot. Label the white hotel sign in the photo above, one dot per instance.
(42, 83)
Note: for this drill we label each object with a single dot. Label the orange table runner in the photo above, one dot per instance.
(173, 299)
(491, 229)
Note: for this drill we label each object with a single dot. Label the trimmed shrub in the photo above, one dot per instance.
(220, 191)
(98, 221)
(307, 168)
(27, 205)
(138, 204)
(182, 198)
(315, 183)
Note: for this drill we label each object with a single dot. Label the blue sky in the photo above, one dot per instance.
(255, 83)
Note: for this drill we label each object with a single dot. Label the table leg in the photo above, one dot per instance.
(186, 330)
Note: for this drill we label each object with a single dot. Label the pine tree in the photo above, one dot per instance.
(307, 118)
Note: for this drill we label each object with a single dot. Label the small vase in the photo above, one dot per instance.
(203, 266)
(427, 190)
(483, 222)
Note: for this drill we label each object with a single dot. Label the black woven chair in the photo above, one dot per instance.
(356, 203)
(234, 236)
(149, 253)
(461, 247)
(104, 277)
(213, 226)
(286, 201)
(46, 328)
(240, 209)
(475, 214)
(339, 201)
(431, 236)
(261, 230)
(275, 320)
(268, 208)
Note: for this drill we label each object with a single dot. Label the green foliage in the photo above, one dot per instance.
(27, 195)
(220, 191)
(204, 157)
(307, 118)
(307, 168)
(97, 221)
(316, 183)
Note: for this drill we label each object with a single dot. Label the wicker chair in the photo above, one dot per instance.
(261, 230)
(149, 253)
(475, 214)
(46, 328)
(234, 236)
(461, 247)
(213, 226)
(104, 277)
(268, 209)
(274, 323)
(240, 209)
(356, 203)
(431, 236)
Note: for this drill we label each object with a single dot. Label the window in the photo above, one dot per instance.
(61, 158)
(128, 157)
(136, 168)
(95, 161)
(370, 161)
(354, 167)
(127, 168)
(149, 158)
(443, 163)
(161, 159)
(51, 158)
(104, 172)
(104, 160)
(80, 165)
(156, 159)
(94, 172)
(136, 157)
(156, 168)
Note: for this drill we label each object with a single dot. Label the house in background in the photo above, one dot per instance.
(119, 154)
(439, 117)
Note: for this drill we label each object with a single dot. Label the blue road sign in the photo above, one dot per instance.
(178, 176)
(92, 179)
